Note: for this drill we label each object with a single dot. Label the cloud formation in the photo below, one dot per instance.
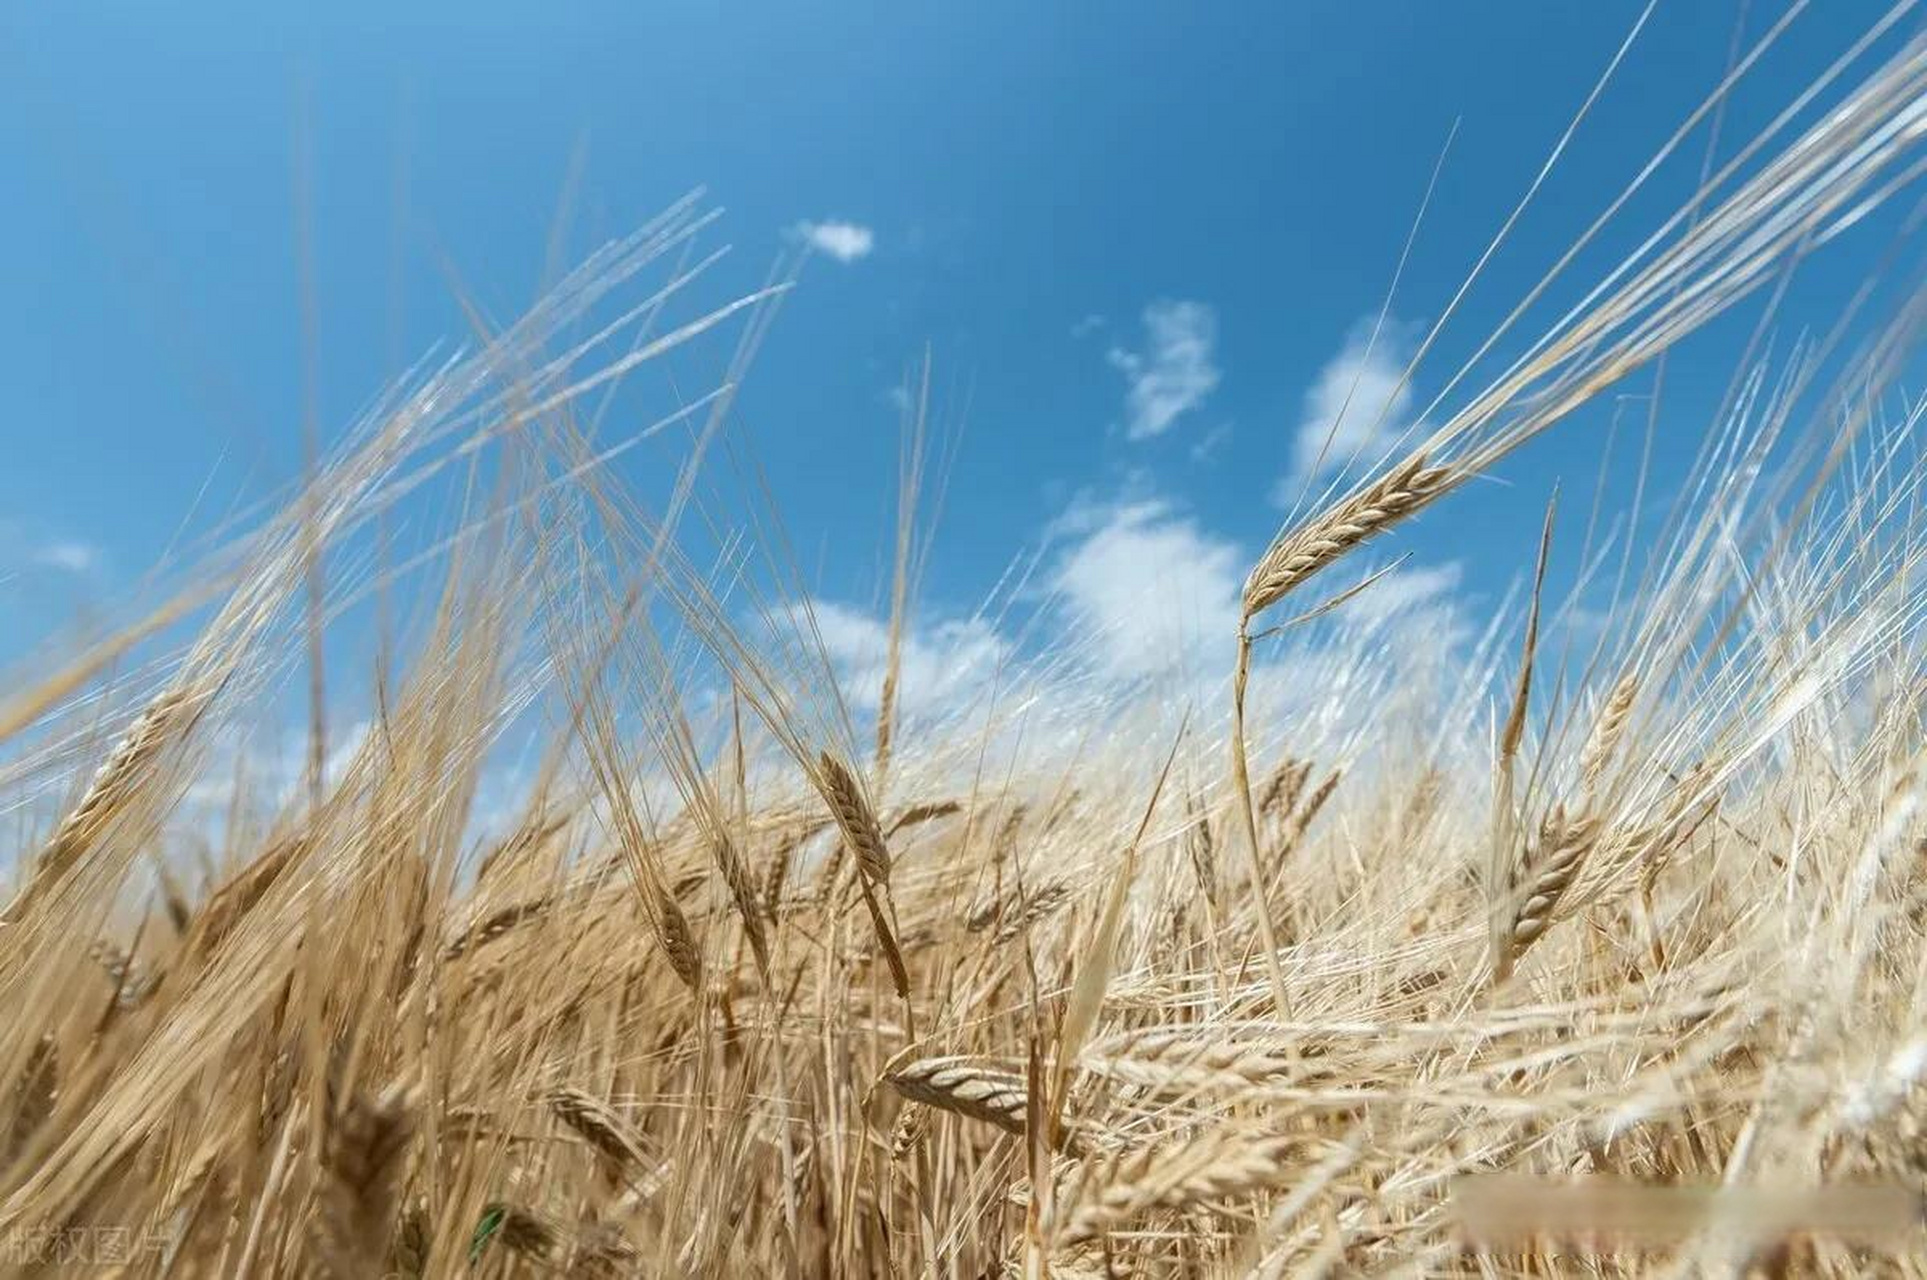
(1175, 371)
(1421, 594)
(67, 556)
(844, 241)
(33, 548)
(1358, 405)
(941, 663)
(1125, 620)
(1145, 589)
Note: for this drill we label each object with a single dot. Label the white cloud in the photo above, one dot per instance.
(1583, 625)
(268, 769)
(1362, 391)
(844, 241)
(28, 546)
(1145, 590)
(941, 663)
(1404, 592)
(1089, 324)
(1136, 589)
(1207, 446)
(1176, 370)
(67, 556)
(1137, 592)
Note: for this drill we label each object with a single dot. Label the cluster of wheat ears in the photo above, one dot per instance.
(745, 983)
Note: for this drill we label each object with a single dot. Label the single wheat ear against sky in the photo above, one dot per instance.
(964, 643)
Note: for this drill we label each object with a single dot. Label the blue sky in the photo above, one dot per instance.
(1137, 239)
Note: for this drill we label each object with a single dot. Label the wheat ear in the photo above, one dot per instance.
(1301, 552)
(523, 1230)
(112, 785)
(742, 890)
(1607, 731)
(855, 819)
(1216, 1166)
(363, 1161)
(1551, 865)
(966, 1087)
(615, 1141)
(678, 942)
(863, 836)
(1181, 1058)
(496, 924)
(913, 1122)
(33, 1098)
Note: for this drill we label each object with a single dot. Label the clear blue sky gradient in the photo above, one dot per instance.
(1022, 167)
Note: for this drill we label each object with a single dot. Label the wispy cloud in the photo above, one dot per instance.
(1175, 371)
(1208, 444)
(68, 556)
(27, 546)
(1407, 593)
(844, 241)
(1090, 323)
(941, 663)
(1358, 406)
(1128, 589)
(1135, 590)
(1145, 589)
(268, 768)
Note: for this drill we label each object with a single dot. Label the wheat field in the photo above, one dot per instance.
(1252, 974)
